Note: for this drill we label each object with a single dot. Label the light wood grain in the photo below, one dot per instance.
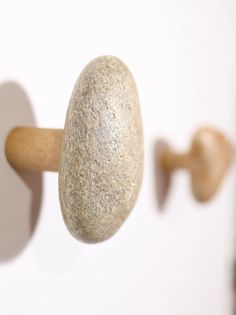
(34, 149)
(207, 161)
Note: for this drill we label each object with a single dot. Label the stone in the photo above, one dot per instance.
(101, 163)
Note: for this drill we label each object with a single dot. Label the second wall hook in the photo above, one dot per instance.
(207, 161)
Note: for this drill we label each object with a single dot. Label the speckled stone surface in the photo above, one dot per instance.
(102, 153)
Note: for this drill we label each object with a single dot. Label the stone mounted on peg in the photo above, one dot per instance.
(207, 161)
(99, 155)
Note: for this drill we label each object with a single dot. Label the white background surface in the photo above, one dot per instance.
(176, 261)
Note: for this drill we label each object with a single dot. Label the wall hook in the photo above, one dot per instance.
(207, 161)
(99, 155)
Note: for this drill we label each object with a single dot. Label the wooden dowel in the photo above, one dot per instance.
(34, 149)
(171, 160)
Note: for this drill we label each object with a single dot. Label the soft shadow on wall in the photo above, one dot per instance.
(20, 193)
(234, 233)
(162, 179)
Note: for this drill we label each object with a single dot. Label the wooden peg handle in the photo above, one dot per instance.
(34, 149)
(171, 160)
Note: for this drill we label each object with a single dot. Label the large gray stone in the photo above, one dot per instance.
(102, 153)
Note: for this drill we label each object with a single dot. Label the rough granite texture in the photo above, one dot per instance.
(102, 152)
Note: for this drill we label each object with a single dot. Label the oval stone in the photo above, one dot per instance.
(102, 152)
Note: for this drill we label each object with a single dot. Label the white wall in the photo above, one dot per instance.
(176, 261)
